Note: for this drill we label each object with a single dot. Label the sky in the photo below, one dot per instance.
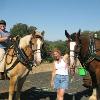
(52, 16)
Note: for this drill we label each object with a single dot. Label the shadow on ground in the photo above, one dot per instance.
(39, 94)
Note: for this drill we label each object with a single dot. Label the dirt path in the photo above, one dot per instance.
(37, 87)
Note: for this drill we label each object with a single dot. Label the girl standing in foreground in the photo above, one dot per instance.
(60, 76)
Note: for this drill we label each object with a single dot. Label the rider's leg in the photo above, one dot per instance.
(2, 53)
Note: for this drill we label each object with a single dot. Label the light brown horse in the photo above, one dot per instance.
(87, 49)
(20, 57)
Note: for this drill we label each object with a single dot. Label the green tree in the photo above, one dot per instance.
(19, 29)
(22, 29)
(46, 51)
(31, 29)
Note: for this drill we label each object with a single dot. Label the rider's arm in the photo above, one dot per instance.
(2, 39)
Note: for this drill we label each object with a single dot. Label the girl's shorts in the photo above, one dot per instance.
(61, 82)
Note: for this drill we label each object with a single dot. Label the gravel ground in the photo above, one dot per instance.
(37, 87)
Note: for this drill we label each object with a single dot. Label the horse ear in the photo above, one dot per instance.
(67, 34)
(78, 35)
(33, 33)
(42, 33)
(79, 32)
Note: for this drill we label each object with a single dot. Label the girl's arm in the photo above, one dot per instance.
(66, 59)
(53, 75)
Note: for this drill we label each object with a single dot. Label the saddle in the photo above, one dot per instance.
(6, 44)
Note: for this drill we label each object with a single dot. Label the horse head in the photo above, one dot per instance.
(72, 42)
(37, 41)
(32, 44)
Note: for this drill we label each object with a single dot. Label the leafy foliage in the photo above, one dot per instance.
(22, 29)
(46, 52)
(31, 29)
(49, 46)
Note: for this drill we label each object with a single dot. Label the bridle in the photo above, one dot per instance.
(91, 53)
(31, 43)
(73, 53)
(21, 55)
(72, 57)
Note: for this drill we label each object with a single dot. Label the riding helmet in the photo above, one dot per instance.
(3, 22)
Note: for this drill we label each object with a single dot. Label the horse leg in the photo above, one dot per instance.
(19, 87)
(94, 85)
(98, 83)
(12, 85)
(93, 96)
(98, 92)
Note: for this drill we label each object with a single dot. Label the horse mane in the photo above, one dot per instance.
(84, 37)
(25, 41)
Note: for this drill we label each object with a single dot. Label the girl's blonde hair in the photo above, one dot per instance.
(56, 50)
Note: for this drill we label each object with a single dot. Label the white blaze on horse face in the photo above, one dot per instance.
(72, 53)
(38, 52)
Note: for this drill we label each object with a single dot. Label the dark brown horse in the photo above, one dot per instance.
(87, 50)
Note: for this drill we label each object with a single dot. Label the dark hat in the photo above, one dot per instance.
(3, 22)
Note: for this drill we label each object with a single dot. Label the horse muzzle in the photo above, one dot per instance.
(38, 62)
